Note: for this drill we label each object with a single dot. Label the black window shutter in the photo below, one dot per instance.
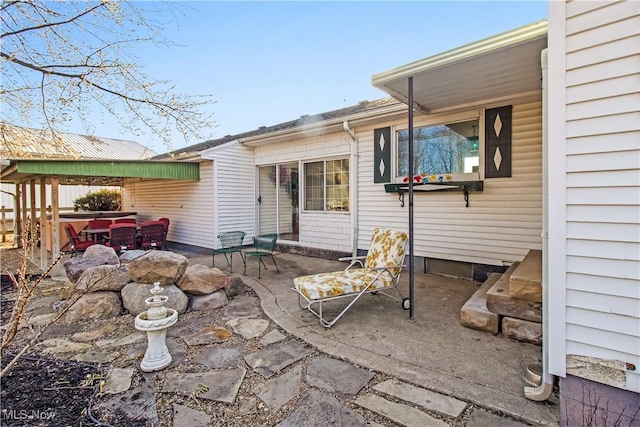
(382, 155)
(497, 142)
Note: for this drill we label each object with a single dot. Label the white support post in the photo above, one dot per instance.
(55, 226)
(32, 221)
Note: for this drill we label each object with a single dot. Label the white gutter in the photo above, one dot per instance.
(544, 390)
(353, 187)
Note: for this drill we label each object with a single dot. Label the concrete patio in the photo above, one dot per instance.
(433, 351)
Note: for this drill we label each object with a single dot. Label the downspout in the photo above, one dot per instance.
(353, 188)
(544, 390)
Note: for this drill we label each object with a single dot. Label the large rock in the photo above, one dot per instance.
(158, 266)
(74, 267)
(199, 279)
(104, 278)
(128, 256)
(94, 306)
(101, 251)
(134, 294)
(209, 302)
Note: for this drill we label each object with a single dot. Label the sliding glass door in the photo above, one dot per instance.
(278, 204)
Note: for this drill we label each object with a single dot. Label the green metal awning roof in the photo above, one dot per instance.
(105, 172)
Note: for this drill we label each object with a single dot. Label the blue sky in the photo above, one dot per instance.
(270, 62)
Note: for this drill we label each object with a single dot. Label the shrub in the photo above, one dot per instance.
(103, 200)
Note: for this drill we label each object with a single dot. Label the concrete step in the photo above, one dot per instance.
(427, 399)
(526, 281)
(522, 330)
(475, 314)
(399, 413)
(499, 300)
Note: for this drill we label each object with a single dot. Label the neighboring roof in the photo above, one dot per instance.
(362, 108)
(499, 66)
(103, 172)
(18, 142)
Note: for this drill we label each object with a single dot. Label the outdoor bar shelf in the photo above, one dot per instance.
(465, 187)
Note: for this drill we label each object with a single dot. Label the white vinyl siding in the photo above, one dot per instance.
(188, 204)
(321, 230)
(233, 190)
(501, 224)
(603, 181)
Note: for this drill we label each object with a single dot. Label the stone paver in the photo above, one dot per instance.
(220, 386)
(99, 332)
(133, 338)
(137, 403)
(482, 419)
(318, 409)
(118, 380)
(242, 307)
(248, 328)
(208, 335)
(399, 413)
(272, 338)
(278, 391)
(271, 360)
(429, 400)
(59, 345)
(183, 416)
(336, 376)
(218, 358)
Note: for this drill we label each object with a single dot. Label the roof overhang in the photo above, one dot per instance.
(323, 127)
(494, 68)
(98, 172)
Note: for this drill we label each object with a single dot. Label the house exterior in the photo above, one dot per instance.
(549, 164)
(594, 209)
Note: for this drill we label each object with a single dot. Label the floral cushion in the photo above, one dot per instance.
(387, 249)
(324, 285)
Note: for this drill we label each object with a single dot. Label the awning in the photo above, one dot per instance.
(98, 172)
(490, 69)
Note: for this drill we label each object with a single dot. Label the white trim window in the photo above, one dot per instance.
(441, 152)
(326, 186)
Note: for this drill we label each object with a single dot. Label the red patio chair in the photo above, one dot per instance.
(77, 245)
(96, 224)
(165, 222)
(152, 235)
(124, 221)
(122, 237)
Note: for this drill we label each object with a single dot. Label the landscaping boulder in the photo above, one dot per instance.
(102, 251)
(94, 306)
(199, 279)
(236, 286)
(134, 294)
(209, 302)
(129, 256)
(104, 278)
(74, 267)
(158, 266)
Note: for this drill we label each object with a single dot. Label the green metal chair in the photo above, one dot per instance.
(263, 246)
(230, 243)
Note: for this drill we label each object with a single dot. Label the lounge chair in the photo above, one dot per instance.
(378, 271)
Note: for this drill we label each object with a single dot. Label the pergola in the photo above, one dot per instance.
(26, 174)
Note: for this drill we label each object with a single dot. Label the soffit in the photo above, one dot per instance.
(500, 66)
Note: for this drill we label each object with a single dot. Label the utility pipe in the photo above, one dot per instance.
(353, 187)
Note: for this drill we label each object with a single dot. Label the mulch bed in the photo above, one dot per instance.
(40, 391)
(48, 392)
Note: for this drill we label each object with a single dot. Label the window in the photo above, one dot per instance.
(326, 185)
(443, 149)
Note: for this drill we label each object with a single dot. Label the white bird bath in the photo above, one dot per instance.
(155, 322)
